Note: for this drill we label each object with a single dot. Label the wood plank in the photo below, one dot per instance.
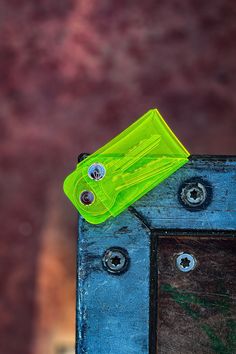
(118, 313)
(196, 310)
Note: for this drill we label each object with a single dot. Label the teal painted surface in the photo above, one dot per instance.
(113, 311)
(161, 208)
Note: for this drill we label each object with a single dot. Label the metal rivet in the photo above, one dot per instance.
(116, 260)
(96, 171)
(195, 194)
(87, 197)
(185, 262)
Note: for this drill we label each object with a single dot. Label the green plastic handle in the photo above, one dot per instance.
(135, 161)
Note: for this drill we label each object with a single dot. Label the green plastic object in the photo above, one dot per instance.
(107, 182)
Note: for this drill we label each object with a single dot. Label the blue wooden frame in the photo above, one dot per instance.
(113, 311)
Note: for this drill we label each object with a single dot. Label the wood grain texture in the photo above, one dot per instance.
(161, 208)
(196, 310)
(119, 313)
(113, 310)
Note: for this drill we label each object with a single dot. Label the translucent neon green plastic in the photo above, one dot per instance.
(135, 161)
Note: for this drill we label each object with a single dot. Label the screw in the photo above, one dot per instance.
(116, 260)
(195, 194)
(185, 262)
(82, 156)
(96, 171)
(87, 197)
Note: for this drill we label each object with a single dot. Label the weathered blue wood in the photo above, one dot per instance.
(162, 210)
(113, 311)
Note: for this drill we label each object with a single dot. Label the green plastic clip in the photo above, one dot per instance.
(115, 176)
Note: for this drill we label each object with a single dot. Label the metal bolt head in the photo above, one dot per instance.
(116, 260)
(185, 262)
(195, 194)
(82, 156)
(87, 197)
(96, 171)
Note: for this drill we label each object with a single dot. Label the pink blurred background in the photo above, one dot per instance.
(73, 74)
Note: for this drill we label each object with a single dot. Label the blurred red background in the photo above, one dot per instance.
(73, 74)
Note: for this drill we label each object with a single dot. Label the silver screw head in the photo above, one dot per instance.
(96, 171)
(185, 262)
(116, 260)
(194, 194)
(87, 197)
